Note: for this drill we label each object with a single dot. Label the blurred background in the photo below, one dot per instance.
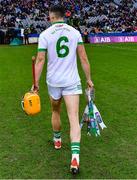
(28, 18)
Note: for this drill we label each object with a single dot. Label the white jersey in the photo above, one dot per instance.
(61, 41)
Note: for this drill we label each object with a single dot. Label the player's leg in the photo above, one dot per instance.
(27, 40)
(24, 40)
(55, 99)
(56, 108)
(72, 104)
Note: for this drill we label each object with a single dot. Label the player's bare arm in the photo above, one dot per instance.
(85, 64)
(40, 60)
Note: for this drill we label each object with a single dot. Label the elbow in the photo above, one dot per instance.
(41, 58)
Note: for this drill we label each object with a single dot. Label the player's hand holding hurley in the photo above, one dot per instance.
(35, 89)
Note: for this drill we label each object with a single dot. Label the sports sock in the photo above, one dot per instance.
(57, 136)
(75, 150)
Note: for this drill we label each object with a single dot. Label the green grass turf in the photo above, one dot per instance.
(26, 149)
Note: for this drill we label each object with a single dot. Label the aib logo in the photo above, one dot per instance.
(30, 102)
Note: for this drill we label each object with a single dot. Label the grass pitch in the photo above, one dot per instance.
(26, 149)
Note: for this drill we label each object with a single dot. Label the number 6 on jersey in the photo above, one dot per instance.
(62, 50)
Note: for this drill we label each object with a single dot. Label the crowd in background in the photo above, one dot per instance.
(94, 15)
(88, 16)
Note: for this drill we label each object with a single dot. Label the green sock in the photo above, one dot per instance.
(75, 147)
(57, 134)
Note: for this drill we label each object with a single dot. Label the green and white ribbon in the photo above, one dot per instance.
(92, 116)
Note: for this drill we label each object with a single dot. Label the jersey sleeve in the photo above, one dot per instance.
(42, 44)
(80, 40)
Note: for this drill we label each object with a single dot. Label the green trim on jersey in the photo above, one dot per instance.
(80, 43)
(59, 22)
(42, 50)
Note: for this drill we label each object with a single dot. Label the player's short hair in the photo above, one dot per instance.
(58, 10)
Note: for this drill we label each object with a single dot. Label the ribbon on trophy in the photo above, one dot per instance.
(92, 116)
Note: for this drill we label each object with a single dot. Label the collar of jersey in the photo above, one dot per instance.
(59, 22)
